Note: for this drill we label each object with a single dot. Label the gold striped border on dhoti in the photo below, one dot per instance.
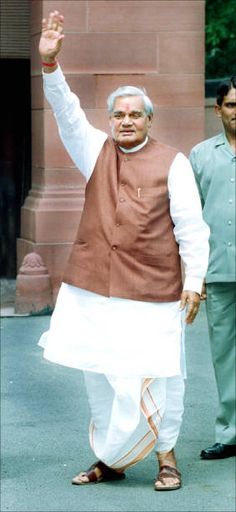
(150, 408)
(138, 452)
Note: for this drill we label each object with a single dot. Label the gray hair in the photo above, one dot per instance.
(130, 90)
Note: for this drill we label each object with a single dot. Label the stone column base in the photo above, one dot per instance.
(54, 255)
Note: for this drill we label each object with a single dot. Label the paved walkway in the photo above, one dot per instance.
(45, 442)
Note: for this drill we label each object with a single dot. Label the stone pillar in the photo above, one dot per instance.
(158, 45)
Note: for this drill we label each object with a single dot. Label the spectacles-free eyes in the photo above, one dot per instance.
(136, 114)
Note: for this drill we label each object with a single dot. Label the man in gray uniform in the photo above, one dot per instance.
(214, 164)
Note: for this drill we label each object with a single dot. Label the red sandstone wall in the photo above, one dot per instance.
(155, 44)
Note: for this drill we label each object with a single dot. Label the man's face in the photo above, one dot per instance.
(129, 123)
(227, 112)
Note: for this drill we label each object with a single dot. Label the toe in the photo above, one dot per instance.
(168, 478)
(82, 478)
(168, 482)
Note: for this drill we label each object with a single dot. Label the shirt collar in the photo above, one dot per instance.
(222, 140)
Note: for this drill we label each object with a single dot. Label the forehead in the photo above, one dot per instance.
(230, 97)
(128, 103)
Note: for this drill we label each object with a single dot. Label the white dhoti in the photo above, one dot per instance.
(133, 358)
(131, 417)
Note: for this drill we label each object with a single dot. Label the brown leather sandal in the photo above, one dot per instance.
(165, 474)
(106, 474)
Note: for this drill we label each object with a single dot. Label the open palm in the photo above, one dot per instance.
(52, 35)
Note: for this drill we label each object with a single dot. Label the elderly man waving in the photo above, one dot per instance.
(122, 306)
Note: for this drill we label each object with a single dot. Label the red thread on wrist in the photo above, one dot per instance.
(49, 64)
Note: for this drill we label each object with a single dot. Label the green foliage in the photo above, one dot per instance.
(220, 38)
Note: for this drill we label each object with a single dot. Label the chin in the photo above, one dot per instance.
(127, 143)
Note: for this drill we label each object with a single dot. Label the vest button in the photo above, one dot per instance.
(117, 224)
(122, 200)
(114, 247)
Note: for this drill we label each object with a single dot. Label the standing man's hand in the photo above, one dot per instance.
(51, 38)
(190, 300)
(203, 292)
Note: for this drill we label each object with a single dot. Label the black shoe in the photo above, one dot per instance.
(219, 451)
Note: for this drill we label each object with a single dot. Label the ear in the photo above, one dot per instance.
(217, 109)
(150, 118)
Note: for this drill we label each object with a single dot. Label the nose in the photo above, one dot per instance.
(126, 119)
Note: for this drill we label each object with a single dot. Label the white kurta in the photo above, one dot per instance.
(115, 336)
(111, 335)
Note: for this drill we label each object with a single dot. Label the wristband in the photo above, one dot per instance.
(49, 64)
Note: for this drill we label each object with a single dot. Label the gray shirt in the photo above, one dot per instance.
(214, 165)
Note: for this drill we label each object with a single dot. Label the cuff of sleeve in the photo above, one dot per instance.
(55, 77)
(194, 284)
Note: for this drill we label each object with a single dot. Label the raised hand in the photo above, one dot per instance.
(51, 37)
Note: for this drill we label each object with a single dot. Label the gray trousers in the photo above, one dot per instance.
(221, 316)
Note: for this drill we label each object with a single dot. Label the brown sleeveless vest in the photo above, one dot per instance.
(125, 245)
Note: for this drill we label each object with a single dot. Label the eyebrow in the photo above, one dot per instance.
(132, 111)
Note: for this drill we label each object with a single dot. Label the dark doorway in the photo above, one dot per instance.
(15, 155)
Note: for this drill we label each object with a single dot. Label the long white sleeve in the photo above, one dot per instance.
(190, 230)
(82, 141)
